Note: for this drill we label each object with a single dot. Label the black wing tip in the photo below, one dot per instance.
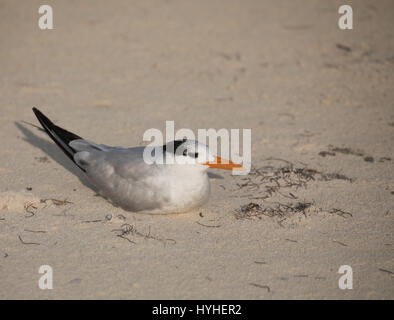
(59, 135)
(36, 111)
(45, 122)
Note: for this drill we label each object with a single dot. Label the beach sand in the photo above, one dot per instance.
(319, 102)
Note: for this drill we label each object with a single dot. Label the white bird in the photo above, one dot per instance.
(122, 176)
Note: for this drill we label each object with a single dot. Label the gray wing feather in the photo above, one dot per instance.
(122, 175)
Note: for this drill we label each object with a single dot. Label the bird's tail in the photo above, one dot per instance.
(59, 135)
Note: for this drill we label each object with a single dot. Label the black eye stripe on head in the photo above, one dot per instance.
(177, 144)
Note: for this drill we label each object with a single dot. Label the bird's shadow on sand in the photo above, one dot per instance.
(212, 175)
(53, 151)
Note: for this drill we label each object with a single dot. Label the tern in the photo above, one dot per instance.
(126, 179)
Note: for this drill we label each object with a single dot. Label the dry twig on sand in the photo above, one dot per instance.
(127, 230)
(21, 240)
(260, 286)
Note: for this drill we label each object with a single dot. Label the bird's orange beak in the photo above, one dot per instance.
(224, 164)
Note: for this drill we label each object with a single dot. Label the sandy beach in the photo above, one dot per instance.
(320, 105)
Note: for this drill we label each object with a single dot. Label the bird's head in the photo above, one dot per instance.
(193, 152)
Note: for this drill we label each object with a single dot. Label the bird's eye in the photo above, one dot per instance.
(185, 152)
(194, 155)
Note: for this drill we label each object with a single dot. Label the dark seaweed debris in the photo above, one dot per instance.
(343, 47)
(368, 159)
(332, 151)
(281, 178)
(271, 179)
(282, 211)
(326, 153)
(278, 210)
(346, 150)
